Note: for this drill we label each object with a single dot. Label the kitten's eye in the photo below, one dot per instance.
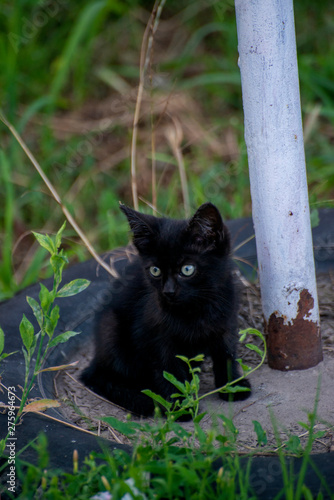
(187, 270)
(155, 271)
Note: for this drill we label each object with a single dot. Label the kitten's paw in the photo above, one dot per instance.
(238, 396)
(87, 377)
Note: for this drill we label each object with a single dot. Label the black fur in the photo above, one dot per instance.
(152, 319)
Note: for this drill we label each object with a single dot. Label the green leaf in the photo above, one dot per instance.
(255, 348)
(45, 297)
(243, 334)
(250, 331)
(183, 358)
(27, 332)
(199, 417)
(27, 358)
(59, 235)
(177, 395)
(38, 313)
(80, 30)
(222, 439)
(173, 380)
(197, 359)
(307, 493)
(235, 388)
(304, 425)
(180, 431)
(33, 346)
(260, 433)
(293, 444)
(73, 288)
(63, 337)
(202, 436)
(228, 423)
(58, 261)
(5, 355)
(46, 242)
(245, 368)
(176, 414)
(54, 316)
(157, 398)
(2, 340)
(319, 434)
(51, 321)
(2, 446)
(126, 428)
(195, 382)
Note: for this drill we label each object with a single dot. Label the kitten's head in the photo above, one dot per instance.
(184, 260)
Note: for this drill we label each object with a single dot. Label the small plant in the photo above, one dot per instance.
(187, 398)
(186, 406)
(184, 457)
(37, 344)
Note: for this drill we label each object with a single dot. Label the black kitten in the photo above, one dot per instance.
(178, 298)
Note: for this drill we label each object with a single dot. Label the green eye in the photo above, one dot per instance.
(155, 271)
(188, 270)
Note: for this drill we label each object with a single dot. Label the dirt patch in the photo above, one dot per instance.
(279, 399)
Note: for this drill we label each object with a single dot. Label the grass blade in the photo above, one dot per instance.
(80, 30)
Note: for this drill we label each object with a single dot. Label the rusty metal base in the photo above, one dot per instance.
(295, 345)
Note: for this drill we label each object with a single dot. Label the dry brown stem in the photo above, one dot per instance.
(145, 55)
(174, 136)
(57, 198)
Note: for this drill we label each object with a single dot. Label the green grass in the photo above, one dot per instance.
(168, 461)
(68, 85)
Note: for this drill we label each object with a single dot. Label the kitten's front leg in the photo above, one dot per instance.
(226, 368)
(120, 391)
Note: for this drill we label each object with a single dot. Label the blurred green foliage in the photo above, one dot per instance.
(68, 84)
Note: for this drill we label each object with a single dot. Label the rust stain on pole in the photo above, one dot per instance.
(295, 345)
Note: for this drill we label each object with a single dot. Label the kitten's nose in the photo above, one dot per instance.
(169, 295)
(169, 289)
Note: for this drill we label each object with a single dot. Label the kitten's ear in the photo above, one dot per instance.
(208, 229)
(142, 226)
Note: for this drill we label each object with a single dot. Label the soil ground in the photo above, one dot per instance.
(278, 399)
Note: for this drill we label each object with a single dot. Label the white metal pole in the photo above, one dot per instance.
(274, 139)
